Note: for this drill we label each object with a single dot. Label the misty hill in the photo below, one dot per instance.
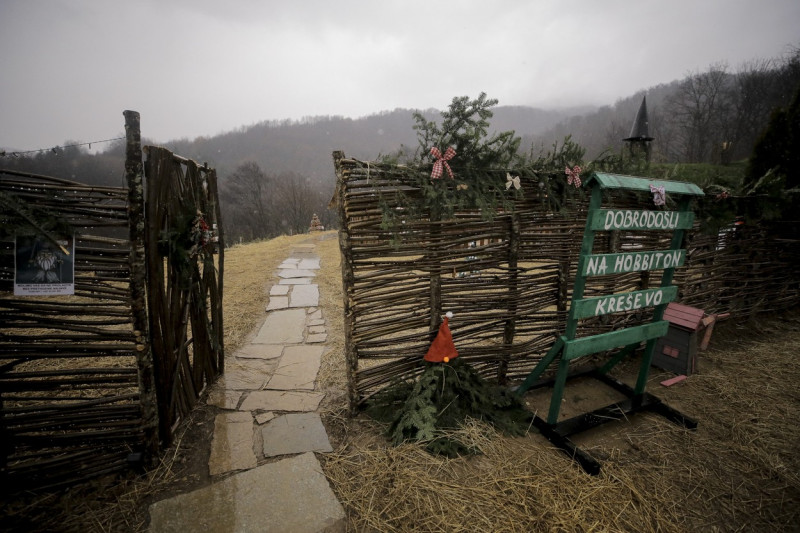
(602, 129)
(304, 147)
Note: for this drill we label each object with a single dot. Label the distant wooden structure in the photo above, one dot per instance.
(639, 138)
(315, 225)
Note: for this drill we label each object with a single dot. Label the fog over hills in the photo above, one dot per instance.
(305, 146)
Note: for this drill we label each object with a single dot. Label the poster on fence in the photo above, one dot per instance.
(44, 267)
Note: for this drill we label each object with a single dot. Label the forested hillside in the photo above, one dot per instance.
(714, 116)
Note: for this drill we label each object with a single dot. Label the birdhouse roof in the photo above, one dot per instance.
(684, 316)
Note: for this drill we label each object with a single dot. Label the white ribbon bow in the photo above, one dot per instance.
(512, 180)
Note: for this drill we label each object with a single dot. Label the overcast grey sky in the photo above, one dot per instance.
(68, 68)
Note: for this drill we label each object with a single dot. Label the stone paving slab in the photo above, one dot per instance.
(304, 296)
(290, 262)
(282, 327)
(291, 495)
(232, 443)
(315, 338)
(224, 399)
(279, 290)
(263, 418)
(295, 433)
(296, 273)
(279, 400)
(297, 369)
(278, 302)
(309, 264)
(302, 250)
(295, 281)
(247, 374)
(260, 351)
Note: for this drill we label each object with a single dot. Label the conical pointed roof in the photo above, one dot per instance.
(640, 129)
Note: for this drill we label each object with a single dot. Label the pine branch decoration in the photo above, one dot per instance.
(442, 399)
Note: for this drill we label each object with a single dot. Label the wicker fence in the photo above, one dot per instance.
(69, 380)
(88, 379)
(509, 280)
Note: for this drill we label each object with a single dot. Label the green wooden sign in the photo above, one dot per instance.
(606, 181)
(651, 219)
(618, 219)
(621, 337)
(618, 303)
(603, 264)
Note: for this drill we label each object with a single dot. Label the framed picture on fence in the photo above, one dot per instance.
(43, 267)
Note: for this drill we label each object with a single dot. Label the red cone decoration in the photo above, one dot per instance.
(442, 349)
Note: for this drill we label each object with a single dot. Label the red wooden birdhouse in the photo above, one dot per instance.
(677, 350)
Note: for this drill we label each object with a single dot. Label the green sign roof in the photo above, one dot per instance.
(635, 183)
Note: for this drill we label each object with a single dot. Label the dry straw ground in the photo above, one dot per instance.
(739, 471)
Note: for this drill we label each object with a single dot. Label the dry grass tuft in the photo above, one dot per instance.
(517, 484)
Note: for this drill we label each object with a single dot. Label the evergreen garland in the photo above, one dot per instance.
(187, 240)
(441, 399)
(481, 167)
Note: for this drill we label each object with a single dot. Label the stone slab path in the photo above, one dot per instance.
(265, 474)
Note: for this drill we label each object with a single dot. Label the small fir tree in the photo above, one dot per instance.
(442, 398)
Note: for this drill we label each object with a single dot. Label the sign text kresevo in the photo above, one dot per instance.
(628, 301)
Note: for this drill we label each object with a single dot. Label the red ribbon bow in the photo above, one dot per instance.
(441, 161)
(573, 176)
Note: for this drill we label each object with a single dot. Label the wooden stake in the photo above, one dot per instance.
(134, 174)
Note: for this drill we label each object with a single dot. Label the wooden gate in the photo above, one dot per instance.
(185, 261)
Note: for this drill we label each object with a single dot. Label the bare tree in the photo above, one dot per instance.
(697, 110)
(297, 202)
(248, 203)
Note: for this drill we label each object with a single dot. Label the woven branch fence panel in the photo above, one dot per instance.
(509, 280)
(96, 381)
(70, 395)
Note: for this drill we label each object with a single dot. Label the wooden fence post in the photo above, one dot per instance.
(211, 176)
(513, 296)
(134, 173)
(435, 232)
(348, 283)
(562, 301)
